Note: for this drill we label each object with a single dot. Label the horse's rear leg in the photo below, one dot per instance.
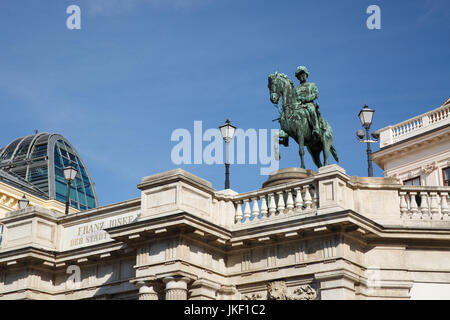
(326, 152)
(316, 158)
(315, 154)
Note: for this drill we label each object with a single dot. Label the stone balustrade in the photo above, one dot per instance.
(403, 130)
(294, 198)
(424, 203)
(407, 126)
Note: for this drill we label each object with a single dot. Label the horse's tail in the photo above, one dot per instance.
(334, 153)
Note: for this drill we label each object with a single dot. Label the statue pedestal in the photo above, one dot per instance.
(287, 175)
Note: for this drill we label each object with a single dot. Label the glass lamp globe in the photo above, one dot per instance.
(70, 173)
(227, 131)
(366, 116)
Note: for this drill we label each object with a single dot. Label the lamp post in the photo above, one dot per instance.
(366, 117)
(23, 202)
(227, 131)
(69, 174)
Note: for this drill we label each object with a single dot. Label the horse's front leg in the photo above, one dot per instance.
(301, 151)
(283, 138)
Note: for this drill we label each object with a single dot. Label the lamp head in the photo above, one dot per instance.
(376, 135)
(227, 131)
(366, 116)
(23, 202)
(360, 134)
(70, 173)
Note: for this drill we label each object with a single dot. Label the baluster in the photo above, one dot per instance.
(315, 197)
(413, 207)
(255, 209)
(444, 205)
(272, 205)
(238, 214)
(263, 207)
(403, 205)
(307, 199)
(312, 191)
(289, 202)
(280, 207)
(298, 200)
(424, 205)
(247, 212)
(434, 206)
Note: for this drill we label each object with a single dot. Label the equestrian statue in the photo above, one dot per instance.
(300, 117)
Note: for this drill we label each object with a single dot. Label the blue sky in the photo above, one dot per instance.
(139, 69)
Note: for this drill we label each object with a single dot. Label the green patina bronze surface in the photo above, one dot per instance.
(300, 117)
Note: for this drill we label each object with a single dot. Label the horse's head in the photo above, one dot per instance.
(278, 85)
(274, 88)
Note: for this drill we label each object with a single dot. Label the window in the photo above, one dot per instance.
(81, 194)
(39, 151)
(412, 182)
(1, 233)
(10, 149)
(446, 176)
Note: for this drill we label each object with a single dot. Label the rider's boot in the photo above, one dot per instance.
(315, 123)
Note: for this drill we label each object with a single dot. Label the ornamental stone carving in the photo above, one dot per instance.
(429, 168)
(176, 288)
(305, 292)
(147, 292)
(253, 296)
(277, 290)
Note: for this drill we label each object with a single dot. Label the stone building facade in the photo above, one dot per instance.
(324, 236)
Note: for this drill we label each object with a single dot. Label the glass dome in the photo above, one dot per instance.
(40, 160)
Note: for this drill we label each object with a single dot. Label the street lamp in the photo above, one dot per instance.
(366, 117)
(227, 131)
(69, 174)
(23, 202)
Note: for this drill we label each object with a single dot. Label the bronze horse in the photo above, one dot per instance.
(294, 122)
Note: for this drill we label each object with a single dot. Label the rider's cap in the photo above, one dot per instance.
(300, 70)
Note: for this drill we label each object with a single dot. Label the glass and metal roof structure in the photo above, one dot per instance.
(40, 159)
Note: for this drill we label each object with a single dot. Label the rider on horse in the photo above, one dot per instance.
(306, 93)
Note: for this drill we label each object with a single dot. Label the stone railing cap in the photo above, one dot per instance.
(331, 168)
(32, 210)
(375, 180)
(173, 175)
(226, 192)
